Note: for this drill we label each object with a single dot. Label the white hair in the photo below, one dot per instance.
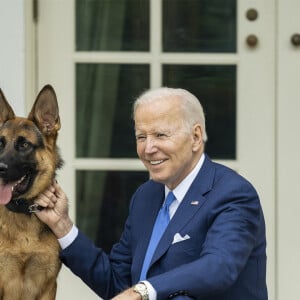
(190, 105)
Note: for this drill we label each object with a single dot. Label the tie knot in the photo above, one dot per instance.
(170, 198)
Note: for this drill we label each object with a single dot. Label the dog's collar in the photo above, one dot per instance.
(23, 206)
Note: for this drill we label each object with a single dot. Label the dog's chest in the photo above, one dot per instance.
(29, 258)
(25, 240)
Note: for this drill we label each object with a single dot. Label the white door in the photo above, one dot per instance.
(228, 61)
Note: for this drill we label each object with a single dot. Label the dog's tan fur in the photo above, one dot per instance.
(29, 252)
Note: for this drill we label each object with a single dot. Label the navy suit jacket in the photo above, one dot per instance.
(222, 258)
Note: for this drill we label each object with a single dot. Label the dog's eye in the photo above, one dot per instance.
(2, 143)
(23, 144)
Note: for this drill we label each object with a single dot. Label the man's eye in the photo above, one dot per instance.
(160, 135)
(140, 138)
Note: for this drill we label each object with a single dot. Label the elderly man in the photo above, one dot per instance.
(195, 230)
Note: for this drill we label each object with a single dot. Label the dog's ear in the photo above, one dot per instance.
(6, 112)
(45, 113)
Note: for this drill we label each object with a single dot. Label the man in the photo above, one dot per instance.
(214, 246)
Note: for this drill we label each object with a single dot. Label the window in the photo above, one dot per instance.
(123, 48)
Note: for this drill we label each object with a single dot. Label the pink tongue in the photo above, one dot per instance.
(5, 193)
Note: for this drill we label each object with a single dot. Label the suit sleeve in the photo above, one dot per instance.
(105, 275)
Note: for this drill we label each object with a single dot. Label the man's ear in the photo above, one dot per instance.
(197, 137)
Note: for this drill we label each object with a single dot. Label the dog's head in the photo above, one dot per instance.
(28, 153)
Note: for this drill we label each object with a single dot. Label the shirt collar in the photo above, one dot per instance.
(185, 184)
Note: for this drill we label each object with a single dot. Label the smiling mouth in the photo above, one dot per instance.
(156, 162)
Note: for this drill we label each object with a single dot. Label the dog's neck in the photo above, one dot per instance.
(22, 206)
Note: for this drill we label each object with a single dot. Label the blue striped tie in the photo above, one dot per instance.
(161, 223)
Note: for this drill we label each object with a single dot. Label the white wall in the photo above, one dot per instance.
(12, 53)
(288, 149)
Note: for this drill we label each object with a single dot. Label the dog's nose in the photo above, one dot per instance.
(3, 168)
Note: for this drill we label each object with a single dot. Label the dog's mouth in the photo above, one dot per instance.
(10, 190)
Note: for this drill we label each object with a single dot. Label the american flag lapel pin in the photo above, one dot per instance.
(195, 202)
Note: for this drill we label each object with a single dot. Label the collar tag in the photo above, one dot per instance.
(34, 208)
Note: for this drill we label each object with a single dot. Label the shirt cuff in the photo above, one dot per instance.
(69, 238)
(151, 291)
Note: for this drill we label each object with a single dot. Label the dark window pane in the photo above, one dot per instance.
(102, 203)
(215, 87)
(199, 25)
(112, 25)
(104, 97)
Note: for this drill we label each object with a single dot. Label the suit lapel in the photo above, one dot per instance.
(190, 205)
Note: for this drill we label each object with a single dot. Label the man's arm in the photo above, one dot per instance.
(85, 260)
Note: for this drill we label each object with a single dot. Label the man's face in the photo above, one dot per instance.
(168, 150)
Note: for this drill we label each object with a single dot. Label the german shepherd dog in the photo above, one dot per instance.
(29, 158)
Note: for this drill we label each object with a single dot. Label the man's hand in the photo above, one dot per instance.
(128, 294)
(55, 212)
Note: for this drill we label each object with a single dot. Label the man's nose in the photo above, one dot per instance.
(150, 144)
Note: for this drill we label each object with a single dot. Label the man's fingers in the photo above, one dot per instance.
(46, 199)
(58, 190)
